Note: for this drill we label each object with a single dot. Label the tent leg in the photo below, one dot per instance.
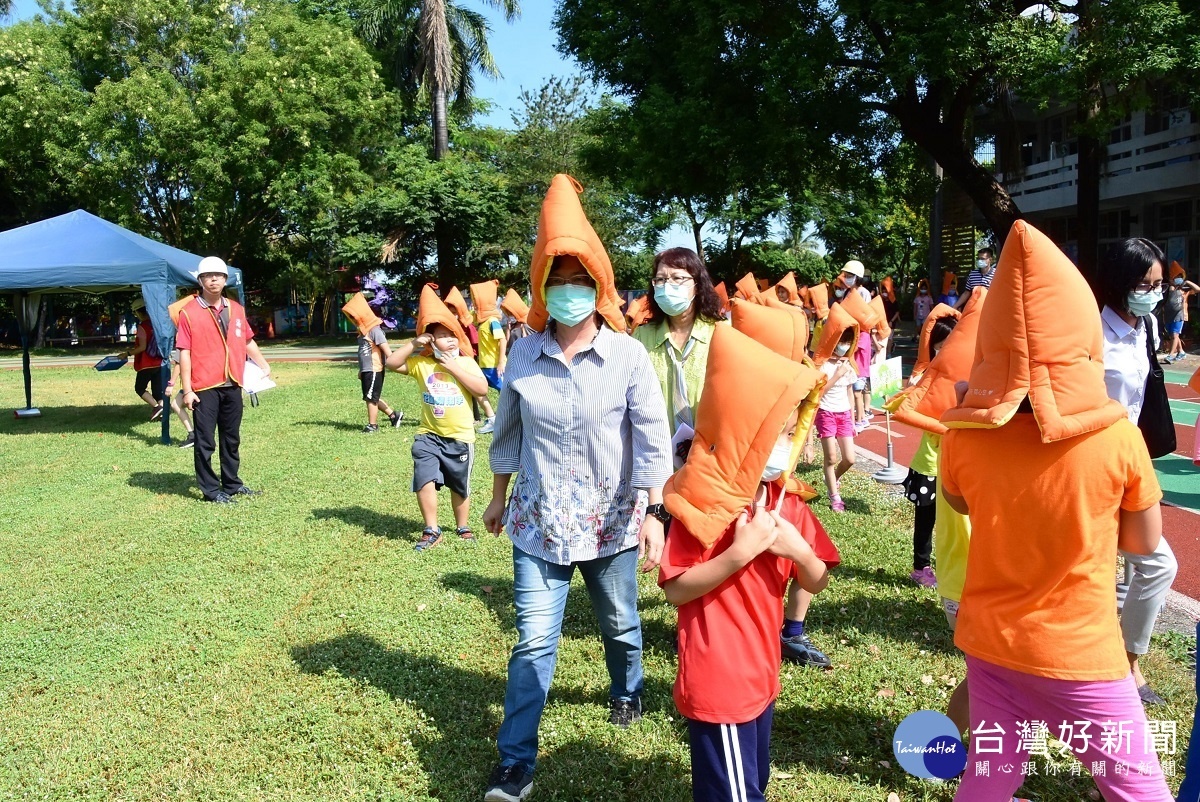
(166, 402)
(28, 374)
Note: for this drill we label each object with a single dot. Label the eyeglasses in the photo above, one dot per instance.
(579, 280)
(1148, 287)
(674, 281)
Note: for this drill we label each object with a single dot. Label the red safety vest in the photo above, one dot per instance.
(215, 357)
(145, 334)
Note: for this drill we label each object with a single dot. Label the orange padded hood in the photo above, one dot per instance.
(805, 297)
(881, 329)
(835, 325)
(889, 289)
(638, 312)
(818, 297)
(949, 281)
(736, 431)
(514, 306)
(923, 283)
(564, 230)
(923, 351)
(788, 282)
(747, 287)
(360, 313)
(174, 309)
(484, 295)
(1177, 271)
(923, 404)
(433, 310)
(782, 329)
(723, 295)
(1039, 336)
(1194, 382)
(458, 305)
(866, 316)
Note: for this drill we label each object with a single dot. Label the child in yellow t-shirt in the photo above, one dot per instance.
(444, 449)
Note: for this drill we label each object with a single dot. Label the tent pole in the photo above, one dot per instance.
(166, 401)
(25, 369)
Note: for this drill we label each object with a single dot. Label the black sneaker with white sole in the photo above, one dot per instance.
(508, 784)
(624, 713)
(395, 418)
(189, 441)
(799, 649)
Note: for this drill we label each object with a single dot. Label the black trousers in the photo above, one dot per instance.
(219, 410)
(924, 517)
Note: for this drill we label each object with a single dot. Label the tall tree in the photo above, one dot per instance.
(435, 46)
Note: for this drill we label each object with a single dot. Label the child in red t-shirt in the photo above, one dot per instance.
(738, 536)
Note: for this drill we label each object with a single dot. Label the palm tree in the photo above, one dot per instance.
(435, 46)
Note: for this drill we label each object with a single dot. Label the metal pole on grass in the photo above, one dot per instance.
(893, 474)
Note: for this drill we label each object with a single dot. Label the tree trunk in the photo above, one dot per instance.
(1091, 155)
(922, 124)
(441, 130)
(697, 228)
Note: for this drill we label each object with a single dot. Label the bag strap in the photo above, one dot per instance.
(1150, 344)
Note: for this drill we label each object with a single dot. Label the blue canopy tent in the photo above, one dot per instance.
(79, 252)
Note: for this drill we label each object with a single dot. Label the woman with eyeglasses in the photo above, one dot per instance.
(684, 308)
(582, 425)
(1129, 285)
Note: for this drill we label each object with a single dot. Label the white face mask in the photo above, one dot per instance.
(982, 264)
(440, 354)
(839, 292)
(779, 461)
(849, 280)
(841, 349)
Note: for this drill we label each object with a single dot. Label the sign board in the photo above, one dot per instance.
(887, 379)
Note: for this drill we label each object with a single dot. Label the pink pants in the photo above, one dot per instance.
(1112, 746)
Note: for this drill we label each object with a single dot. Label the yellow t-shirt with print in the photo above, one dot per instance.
(490, 332)
(445, 404)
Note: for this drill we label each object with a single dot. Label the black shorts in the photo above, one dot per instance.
(151, 377)
(372, 384)
(445, 462)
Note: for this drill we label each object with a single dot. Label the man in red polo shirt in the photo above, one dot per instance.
(214, 341)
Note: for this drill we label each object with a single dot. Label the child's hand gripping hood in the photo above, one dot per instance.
(432, 310)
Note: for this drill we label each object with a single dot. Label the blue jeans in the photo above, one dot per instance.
(540, 597)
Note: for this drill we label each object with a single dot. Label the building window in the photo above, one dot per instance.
(1114, 224)
(1175, 217)
(1122, 131)
(1170, 110)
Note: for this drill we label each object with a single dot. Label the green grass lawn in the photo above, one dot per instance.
(295, 647)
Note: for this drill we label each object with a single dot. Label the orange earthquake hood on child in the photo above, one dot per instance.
(788, 282)
(360, 313)
(514, 306)
(638, 312)
(723, 295)
(747, 288)
(923, 284)
(881, 329)
(866, 315)
(835, 326)
(770, 300)
(433, 310)
(1039, 336)
(818, 296)
(783, 329)
(889, 288)
(457, 304)
(924, 404)
(174, 309)
(949, 282)
(924, 356)
(736, 431)
(564, 230)
(1177, 271)
(484, 295)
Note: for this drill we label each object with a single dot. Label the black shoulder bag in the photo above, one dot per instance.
(1158, 430)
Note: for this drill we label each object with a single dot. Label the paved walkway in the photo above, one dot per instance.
(273, 353)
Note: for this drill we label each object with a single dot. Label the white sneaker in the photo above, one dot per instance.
(488, 426)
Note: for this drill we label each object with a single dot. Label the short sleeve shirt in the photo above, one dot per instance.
(445, 404)
(729, 638)
(1039, 596)
(490, 332)
(370, 356)
(836, 399)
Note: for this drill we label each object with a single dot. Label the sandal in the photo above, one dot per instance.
(430, 537)
(466, 534)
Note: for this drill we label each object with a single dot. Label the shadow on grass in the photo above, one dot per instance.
(872, 576)
(120, 420)
(904, 620)
(579, 618)
(340, 425)
(462, 703)
(374, 523)
(820, 738)
(175, 484)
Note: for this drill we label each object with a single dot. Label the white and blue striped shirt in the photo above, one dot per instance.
(585, 441)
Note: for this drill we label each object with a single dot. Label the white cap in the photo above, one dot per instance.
(855, 267)
(137, 304)
(212, 264)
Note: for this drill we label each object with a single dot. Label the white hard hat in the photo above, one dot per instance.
(137, 304)
(212, 264)
(855, 267)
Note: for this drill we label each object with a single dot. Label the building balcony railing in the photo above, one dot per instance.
(1164, 160)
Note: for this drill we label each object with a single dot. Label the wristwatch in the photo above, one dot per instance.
(659, 512)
